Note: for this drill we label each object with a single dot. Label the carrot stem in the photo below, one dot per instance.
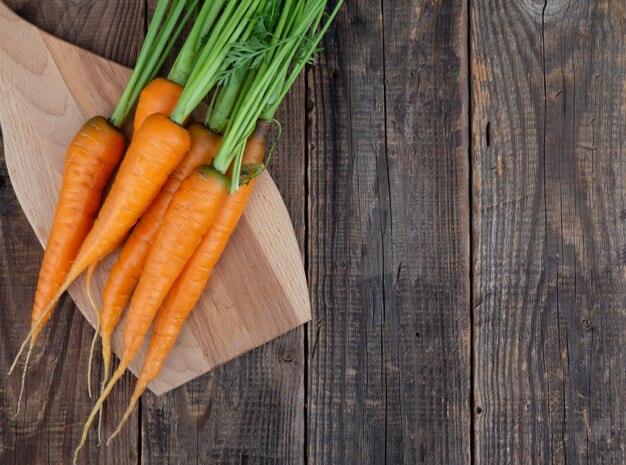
(311, 49)
(117, 119)
(170, 44)
(269, 87)
(229, 28)
(186, 58)
(217, 118)
(151, 51)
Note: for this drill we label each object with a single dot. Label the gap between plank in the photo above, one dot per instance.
(470, 197)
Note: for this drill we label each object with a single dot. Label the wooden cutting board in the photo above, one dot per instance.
(48, 88)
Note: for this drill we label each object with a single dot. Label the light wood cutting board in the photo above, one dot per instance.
(48, 88)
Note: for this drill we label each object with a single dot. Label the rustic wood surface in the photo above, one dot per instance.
(549, 193)
(455, 174)
(389, 239)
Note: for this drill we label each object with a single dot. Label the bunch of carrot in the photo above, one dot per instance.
(182, 189)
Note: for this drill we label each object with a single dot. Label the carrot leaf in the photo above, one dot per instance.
(296, 38)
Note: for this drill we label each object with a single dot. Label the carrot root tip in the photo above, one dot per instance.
(23, 382)
(97, 407)
(100, 428)
(127, 413)
(30, 337)
(90, 362)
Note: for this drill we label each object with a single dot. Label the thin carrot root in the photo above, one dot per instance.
(97, 407)
(90, 362)
(19, 353)
(95, 335)
(90, 271)
(106, 361)
(103, 383)
(30, 339)
(27, 339)
(100, 428)
(127, 413)
(23, 383)
(35, 326)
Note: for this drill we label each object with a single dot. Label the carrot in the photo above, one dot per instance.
(160, 96)
(90, 159)
(193, 209)
(157, 148)
(191, 282)
(127, 270)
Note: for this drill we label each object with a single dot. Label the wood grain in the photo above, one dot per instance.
(56, 402)
(91, 24)
(549, 207)
(388, 238)
(244, 306)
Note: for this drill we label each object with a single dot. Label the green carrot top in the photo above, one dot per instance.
(293, 41)
(234, 24)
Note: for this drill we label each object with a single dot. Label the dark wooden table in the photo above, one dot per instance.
(456, 175)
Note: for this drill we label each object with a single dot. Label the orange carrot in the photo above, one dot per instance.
(160, 96)
(190, 284)
(189, 216)
(128, 268)
(91, 157)
(156, 150)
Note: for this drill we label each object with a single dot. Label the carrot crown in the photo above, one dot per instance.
(244, 58)
(186, 58)
(162, 33)
(294, 40)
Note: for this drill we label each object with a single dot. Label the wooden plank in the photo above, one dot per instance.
(251, 410)
(113, 29)
(56, 402)
(389, 376)
(549, 207)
